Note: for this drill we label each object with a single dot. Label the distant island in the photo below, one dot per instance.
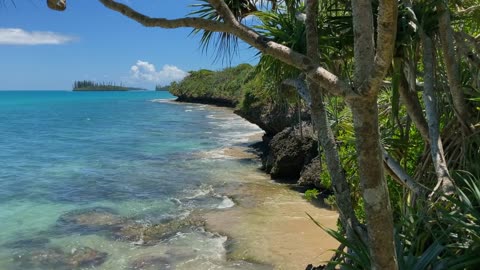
(94, 86)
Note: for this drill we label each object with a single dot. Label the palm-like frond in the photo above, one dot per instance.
(225, 44)
(334, 29)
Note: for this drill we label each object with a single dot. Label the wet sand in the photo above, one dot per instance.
(269, 225)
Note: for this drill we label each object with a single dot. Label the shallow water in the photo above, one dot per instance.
(139, 155)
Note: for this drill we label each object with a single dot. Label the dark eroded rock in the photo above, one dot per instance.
(310, 175)
(288, 153)
(271, 117)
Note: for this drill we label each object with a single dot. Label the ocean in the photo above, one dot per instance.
(116, 180)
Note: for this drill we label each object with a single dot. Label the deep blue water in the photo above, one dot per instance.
(136, 153)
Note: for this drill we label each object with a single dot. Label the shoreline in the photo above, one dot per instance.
(268, 223)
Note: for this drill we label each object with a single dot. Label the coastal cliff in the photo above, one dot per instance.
(288, 154)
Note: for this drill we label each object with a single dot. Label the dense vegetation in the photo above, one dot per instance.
(223, 86)
(94, 86)
(393, 88)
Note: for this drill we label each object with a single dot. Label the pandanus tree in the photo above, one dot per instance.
(349, 57)
(373, 51)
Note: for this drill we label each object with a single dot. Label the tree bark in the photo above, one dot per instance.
(372, 182)
(340, 185)
(319, 113)
(410, 99)
(399, 175)
(325, 134)
(452, 67)
(444, 181)
(370, 69)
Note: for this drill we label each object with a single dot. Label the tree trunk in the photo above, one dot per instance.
(371, 64)
(409, 98)
(324, 132)
(373, 184)
(444, 181)
(452, 68)
(340, 185)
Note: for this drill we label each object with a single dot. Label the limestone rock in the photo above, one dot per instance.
(310, 174)
(288, 153)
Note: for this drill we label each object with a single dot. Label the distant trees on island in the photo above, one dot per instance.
(87, 85)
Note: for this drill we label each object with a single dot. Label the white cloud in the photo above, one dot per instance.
(145, 71)
(17, 36)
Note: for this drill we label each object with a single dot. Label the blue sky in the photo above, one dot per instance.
(42, 49)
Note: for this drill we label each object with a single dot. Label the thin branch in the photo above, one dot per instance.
(473, 41)
(445, 182)
(165, 23)
(452, 68)
(468, 10)
(385, 44)
(301, 87)
(466, 51)
(401, 176)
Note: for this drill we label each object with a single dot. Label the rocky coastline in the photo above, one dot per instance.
(288, 154)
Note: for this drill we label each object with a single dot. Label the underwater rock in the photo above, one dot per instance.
(89, 220)
(142, 234)
(56, 259)
(86, 257)
(151, 263)
(27, 243)
(47, 258)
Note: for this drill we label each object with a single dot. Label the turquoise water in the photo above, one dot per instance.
(135, 155)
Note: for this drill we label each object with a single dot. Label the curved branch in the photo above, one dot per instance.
(325, 78)
(452, 68)
(400, 175)
(165, 23)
